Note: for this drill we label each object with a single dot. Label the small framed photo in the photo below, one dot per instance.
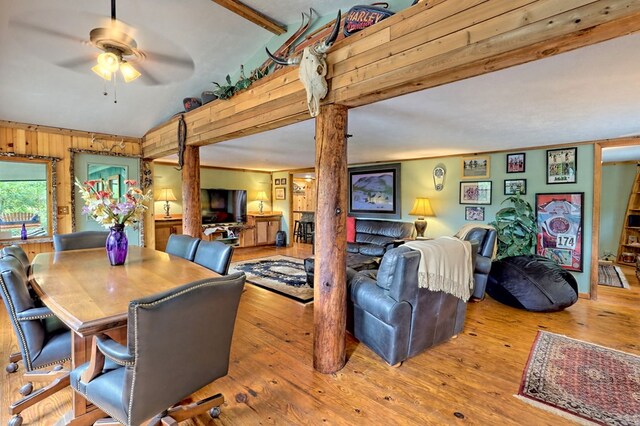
(516, 162)
(562, 165)
(283, 181)
(277, 182)
(281, 194)
(478, 166)
(475, 192)
(474, 213)
(514, 186)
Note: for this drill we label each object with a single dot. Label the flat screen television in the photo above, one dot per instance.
(223, 205)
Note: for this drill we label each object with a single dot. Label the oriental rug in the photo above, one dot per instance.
(581, 381)
(281, 274)
(612, 276)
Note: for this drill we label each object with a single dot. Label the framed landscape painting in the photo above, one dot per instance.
(475, 192)
(559, 219)
(374, 191)
(477, 167)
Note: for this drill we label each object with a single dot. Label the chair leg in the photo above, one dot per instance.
(58, 384)
(46, 376)
(183, 412)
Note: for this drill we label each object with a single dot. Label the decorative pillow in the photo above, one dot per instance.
(351, 229)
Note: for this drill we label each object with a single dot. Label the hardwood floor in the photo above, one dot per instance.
(470, 379)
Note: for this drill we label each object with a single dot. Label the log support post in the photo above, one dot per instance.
(330, 285)
(191, 215)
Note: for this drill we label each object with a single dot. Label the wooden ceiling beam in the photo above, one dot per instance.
(417, 48)
(252, 15)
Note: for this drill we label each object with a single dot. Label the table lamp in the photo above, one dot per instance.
(421, 208)
(166, 195)
(262, 197)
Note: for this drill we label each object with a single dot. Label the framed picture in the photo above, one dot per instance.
(283, 181)
(516, 162)
(513, 186)
(562, 165)
(477, 166)
(277, 182)
(281, 194)
(374, 191)
(474, 213)
(475, 192)
(559, 218)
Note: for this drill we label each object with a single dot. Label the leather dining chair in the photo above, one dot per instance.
(80, 240)
(177, 342)
(44, 341)
(214, 255)
(182, 245)
(17, 252)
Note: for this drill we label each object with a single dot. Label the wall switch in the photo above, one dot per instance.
(62, 210)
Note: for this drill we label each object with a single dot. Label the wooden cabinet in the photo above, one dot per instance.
(261, 230)
(164, 228)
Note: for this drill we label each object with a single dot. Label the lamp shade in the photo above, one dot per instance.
(262, 196)
(166, 194)
(422, 208)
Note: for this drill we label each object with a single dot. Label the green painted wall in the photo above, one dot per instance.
(283, 206)
(166, 176)
(617, 181)
(417, 181)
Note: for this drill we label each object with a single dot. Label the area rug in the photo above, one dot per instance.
(612, 276)
(581, 381)
(281, 274)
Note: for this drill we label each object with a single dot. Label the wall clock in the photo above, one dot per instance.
(439, 173)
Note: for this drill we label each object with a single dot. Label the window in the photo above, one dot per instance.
(25, 197)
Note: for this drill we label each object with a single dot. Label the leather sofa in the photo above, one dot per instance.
(388, 312)
(486, 239)
(375, 237)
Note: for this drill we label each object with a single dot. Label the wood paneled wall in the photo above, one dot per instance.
(25, 139)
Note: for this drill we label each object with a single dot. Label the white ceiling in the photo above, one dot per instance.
(588, 94)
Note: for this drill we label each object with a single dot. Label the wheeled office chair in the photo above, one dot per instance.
(178, 341)
(17, 252)
(80, 240)
(214, 255)
(43, 339)
(182, 245)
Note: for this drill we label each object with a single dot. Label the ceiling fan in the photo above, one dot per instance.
(117, 50)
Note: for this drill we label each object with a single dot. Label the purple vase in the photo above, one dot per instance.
(117, 245)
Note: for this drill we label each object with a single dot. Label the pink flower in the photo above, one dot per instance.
(90, 183)
(103, 194)
(129, 182)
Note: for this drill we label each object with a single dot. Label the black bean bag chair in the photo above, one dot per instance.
(534, 283)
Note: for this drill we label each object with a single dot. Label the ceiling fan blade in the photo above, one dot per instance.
(183, 62)
(21, 26)
(76, 63)
(147, 77)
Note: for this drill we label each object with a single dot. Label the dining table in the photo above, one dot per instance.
(91, 297)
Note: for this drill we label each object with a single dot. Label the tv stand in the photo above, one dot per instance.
(228, 233)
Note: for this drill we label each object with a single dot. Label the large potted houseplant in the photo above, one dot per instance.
(518, 278)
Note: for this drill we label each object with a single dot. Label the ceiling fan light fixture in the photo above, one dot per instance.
(129, 73)
(98, 69)
(109, 61)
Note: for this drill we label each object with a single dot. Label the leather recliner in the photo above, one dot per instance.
(487, 240)
(178, 341)
(375, 237)
(388, 312)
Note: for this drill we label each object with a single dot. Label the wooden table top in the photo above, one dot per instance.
(90, 295)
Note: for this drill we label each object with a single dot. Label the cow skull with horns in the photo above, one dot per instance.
(313, 68)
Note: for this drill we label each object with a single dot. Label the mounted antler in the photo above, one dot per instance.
(313, 68)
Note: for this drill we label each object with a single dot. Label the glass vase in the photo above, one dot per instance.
(117, 245)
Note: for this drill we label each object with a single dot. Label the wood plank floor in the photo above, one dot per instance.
(471, 379)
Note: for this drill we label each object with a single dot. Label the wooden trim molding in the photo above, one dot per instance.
(253, 15)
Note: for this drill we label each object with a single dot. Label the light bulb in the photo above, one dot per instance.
(98, 69)
(109, 61)
(129, 73)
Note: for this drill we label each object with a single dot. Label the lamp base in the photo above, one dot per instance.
(261, 206)
(421, 226)
(166, 209)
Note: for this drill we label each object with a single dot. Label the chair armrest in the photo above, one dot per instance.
(114, 351)
(376, 301)
(35, 314)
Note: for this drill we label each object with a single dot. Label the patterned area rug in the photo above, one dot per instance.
(281, 274)
(581, 381)
(612, 276)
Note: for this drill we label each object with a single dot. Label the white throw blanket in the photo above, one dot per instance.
(445, 265)
(462, 233)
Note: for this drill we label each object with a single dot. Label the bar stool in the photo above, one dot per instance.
(306, 227)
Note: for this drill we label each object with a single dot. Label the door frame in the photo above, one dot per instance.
(597, 192)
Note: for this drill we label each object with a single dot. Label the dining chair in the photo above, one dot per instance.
(214, 255)
(17, 252)
(177, 342)
(182, 245)
(43, 339)
(80, 240)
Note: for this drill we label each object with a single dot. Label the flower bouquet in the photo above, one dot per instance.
(114, 213)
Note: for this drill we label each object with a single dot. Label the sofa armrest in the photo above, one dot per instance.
(376, 301)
